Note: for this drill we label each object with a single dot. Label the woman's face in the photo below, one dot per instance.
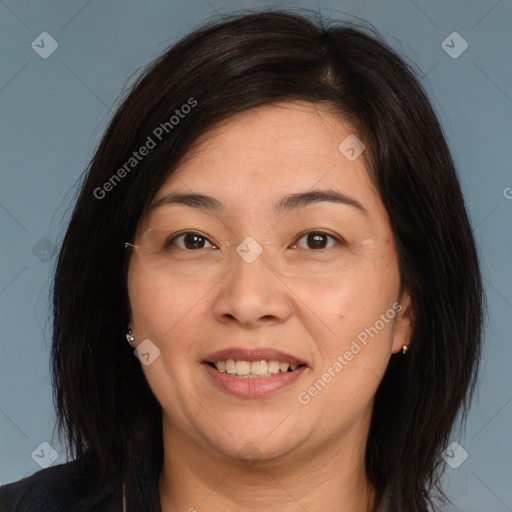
(290, 260)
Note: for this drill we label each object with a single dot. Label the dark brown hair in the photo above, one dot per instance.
(106, 410)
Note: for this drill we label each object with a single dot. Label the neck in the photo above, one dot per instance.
(195, 477)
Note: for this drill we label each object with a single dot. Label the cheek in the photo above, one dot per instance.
(359, 311)
(163, 311)
(356, 295)
(354, 357)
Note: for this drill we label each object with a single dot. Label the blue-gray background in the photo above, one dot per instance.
(53, 112)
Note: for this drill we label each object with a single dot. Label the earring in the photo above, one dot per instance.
(405, 348)
(129, 337)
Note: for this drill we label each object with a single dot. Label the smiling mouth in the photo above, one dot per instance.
(253, 369)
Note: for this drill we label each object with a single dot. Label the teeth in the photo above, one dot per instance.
(273, 366)
(230, 366)
(262, 368)
(243, 367)
(258, 368)
(283, 367)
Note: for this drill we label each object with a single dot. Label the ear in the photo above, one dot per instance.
(404, 324)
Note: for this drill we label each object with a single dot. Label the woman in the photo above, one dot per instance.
(273, 226)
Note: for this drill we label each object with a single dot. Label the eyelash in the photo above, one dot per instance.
(170, 242)
(337, 241)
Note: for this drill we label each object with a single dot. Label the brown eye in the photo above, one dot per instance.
(190, 241)
(315, 240)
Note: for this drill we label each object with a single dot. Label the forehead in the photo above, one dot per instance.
(253, 159)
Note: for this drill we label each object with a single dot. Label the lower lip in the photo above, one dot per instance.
(255, 387)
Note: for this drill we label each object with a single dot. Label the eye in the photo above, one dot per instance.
(315, 240)
(190, 241)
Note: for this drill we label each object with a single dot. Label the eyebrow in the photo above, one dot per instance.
(193, 200)
(300, 200)
(289, 202)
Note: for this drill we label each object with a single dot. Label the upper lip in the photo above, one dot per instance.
(253, 354)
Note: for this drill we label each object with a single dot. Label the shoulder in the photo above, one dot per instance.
(60, 488)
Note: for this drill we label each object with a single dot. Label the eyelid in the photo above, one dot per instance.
(337, 239)
(182, 233)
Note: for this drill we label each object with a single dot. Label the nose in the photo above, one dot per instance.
(251, 295)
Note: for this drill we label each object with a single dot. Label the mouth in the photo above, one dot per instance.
(253, 369)
(253, 373)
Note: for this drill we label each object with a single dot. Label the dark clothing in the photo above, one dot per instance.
(59, 489)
